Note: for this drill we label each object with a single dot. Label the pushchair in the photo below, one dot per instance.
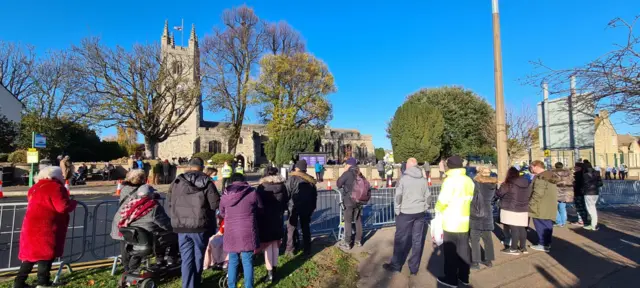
(142, 244)
(215, 258)
(79, 177)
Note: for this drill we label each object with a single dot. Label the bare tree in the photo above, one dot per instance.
(230, 56)
(17, 62)
(140, 89)
(281, 38)
(521, 130)
(611, 82)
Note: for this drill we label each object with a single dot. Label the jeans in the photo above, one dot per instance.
(44, 273)
(544, 228)
(561, 218)
(590, 203)
(410, 235)
(352, 214)
(456, 256)
(247, 268)
(192, 248)
(475, 246)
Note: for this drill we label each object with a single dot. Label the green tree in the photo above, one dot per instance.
(270, 148)
(293, 142)
(379, 154)
(467, 118)
(416, 131)
(8, 134)
(220, 158)
(293, 91)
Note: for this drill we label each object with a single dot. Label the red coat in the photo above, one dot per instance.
(45, 223)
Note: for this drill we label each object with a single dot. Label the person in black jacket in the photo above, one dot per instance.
(304, 194)
(352, 210)
(193, 200)
(578, 195)
(591, 184)
(274, 196)
(514, 196)
(481, 217)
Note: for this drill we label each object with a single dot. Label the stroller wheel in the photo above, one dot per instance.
(223, 282)
(147, 283)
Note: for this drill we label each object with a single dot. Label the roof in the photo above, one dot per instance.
(626, 140)
(14, 96)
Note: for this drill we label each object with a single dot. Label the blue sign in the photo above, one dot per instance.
(40, 141)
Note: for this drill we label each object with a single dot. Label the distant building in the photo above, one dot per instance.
(10, 106)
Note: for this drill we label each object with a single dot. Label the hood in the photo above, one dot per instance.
(456, 172)
(306, 177)
(548, 176)
(484, 179)
(275, 179)
(236, 192)
(414, 172)
(195, 180)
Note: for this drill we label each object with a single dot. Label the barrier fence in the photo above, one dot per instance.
(89, 229)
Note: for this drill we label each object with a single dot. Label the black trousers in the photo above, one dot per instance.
(352, 214)
(304, 219)
(475, 246)
(456, 256)
(607, 175)
(517, 235)
(44, 273)
(410, 235)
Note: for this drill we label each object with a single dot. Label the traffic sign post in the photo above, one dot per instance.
(37, 141)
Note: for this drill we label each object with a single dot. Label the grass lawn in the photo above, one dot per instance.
(329, 267)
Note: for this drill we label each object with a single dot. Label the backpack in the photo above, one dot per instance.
(361, 192)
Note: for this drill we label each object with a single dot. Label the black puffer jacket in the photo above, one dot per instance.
(274, 197)
(591, 182)
(514, 196)
(193, 200)
(303, 191)
(345, 184)
(481, 211)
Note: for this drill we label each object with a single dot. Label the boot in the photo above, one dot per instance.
(272, 275)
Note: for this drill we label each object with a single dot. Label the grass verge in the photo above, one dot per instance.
(328, 268)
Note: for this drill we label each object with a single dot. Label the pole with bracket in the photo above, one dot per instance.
(33, 143)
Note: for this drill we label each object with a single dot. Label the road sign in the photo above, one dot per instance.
(32, 156)
(547, 153)
(40, 141)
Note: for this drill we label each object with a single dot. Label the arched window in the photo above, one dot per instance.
(240, 140)
(215, 147)
(328, 148)
(176, 67)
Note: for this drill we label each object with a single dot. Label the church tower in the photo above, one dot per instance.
(186, 60)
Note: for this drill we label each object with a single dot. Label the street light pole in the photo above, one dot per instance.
(501, 127)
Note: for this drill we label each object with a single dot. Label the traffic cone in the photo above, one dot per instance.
(429, 181)
(119, 188)
(376, 185)
(1, 194)
(389, 184)
(66, 186)
(328, 185)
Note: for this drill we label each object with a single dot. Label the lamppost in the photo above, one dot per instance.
(501, 127)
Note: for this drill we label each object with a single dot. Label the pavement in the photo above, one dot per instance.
(608, 257)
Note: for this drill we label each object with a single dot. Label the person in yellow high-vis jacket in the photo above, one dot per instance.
(226, 175)
(454, 205)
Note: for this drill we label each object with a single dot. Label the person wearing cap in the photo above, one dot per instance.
(193, 200)
(226, 174)
(454, 204)
(302, 188)
(352, 209)
(411, 205)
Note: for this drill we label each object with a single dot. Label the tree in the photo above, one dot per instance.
(229, 57)
(139, 90)
(282, 39)
(16, 68)
(466, 117)
(293, 90)
(610, 82)
(295, 141)
(416, 131)
(379, 154)
(8, 134)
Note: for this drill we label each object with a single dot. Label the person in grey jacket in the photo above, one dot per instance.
(138, 207)
(411, 204)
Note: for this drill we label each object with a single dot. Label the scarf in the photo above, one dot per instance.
(135, 209)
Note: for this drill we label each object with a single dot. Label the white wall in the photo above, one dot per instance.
(9, 105)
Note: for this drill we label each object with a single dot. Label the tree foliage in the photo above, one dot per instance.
(220, 158)
(293, 91)
(270, 148)
(379, 154)
(609, 82)
(8, 134)
(293, 142)
(416, 131)
(17, 64)
(466, 120)
(138, 89)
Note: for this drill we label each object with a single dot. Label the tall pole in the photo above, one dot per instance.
(182, 33)
(501, 127)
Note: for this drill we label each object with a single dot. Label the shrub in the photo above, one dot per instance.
(203, 155)
(220, 158)
(4, 157)
(18, 156)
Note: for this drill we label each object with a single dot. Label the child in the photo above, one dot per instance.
(214, 256)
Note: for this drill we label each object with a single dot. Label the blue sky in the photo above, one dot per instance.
(378, 51)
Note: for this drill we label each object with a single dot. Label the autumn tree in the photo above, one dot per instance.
(416, 131)
(17, 63)
(521, 128)
(611, 81)
(138, 88)
(293, 92)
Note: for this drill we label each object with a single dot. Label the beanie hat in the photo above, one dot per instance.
(454, 162)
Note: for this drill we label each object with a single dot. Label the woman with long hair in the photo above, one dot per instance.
(514, 196)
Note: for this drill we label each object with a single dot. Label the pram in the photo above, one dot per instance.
(215, 258)
(79, 177)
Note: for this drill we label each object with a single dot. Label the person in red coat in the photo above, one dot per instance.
(44, 227)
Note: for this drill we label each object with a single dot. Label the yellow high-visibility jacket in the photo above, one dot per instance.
(454, 201)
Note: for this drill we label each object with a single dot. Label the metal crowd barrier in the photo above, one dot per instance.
(619, 192)
(11, 218)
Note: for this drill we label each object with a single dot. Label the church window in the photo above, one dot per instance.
(215, 147)
(176, 67)
(241, 141)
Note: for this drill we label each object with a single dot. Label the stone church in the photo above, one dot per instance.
(197, 135)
